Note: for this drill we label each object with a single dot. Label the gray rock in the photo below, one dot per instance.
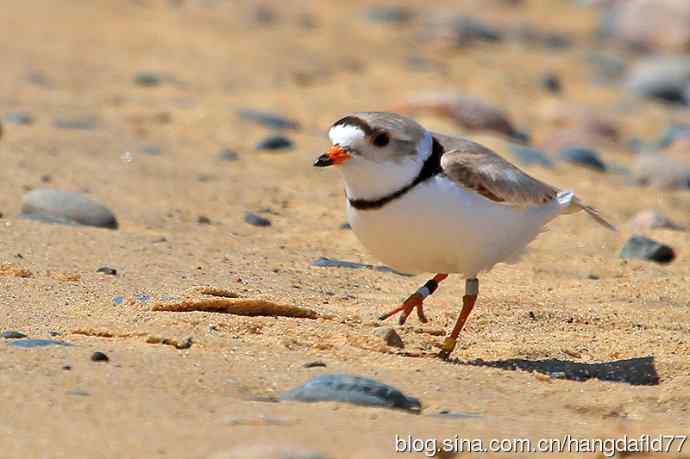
(530, 156)
(649, 219)
(227, 154)
(661, 171)
(665, 78)
(148, 79)
(31, 343)
(468, 30)
(389, 14)
(270, 120)
(142, 297)
(324, 262)
(643, 248)
(671, 134)
(551, 82)
(151, 150)
(582, 156)
(12, 334)
(22, 118)
(82, 123)
(99, 357)
(351, 389)
(256, 220)
(390, 336)
(275, 142)
(56, 206)
(118, 300)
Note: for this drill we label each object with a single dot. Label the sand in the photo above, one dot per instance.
(569, 306)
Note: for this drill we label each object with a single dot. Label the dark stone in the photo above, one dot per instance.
(256, 220)
(56, 206)
(99, 357)
(468, 30)
(314, 364)
(227, 154)
(582, 156)
(389, 14)
(352, 389)
(551, 82)
(148, 79)
(665, 78)
(270, 120)
(203, 220)
(21, 118)
(345, 226)
(529, 155)
(31, 343)
(107, 270)
(275, 142)
(12, 334)
(643, 248)
(83, 123)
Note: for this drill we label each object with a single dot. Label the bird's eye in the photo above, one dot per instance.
(381, 139)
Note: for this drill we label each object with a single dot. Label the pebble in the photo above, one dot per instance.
(665, 78)
(31, 343)
(530, 156)
(671, 134)
(274, 142)
(148, 79)
(151, 150)
(83, 123)
(142, 297)
(468, 30)
(324, 262)
(643, 248)
(345, 226)
(256, 220)
(21, 118)
(58, 206)
(661, 171)
(203, 220)
(551, 82)
(227, 154)
(315, 364)
(582, 156)
(351, 389)
(389, 14)
(457, 414)
(650, 219)
(12, 334)
(118, 300)
(270, 120)
(107, 270)
(99, 357)
(606, 67)
(390, 336)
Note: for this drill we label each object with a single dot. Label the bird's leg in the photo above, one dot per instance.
(471, 292)
(416, 300)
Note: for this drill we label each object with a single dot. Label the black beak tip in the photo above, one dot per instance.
(323, 161)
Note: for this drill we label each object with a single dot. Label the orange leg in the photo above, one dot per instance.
(471, 293)
(416, 300)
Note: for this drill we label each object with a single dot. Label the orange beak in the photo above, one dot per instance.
(334, 156)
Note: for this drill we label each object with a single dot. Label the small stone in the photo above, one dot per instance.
(203, 220)
(118, 300)
(315, 364)
(99, 357)
(31, 343)
(66, 207)
(582, 156)
(671, 134)
(83, 123)
(12, 334)
(107, 270)
(21, 118)
(642, 248)
(649, 219)
(351, 389)
(324, 262)
(661, 171)
(142, 297)
(148, 79)
(274, 142)
(345, 226)
(151, 150)
(468, 30)
(551, 82)
(390, 336)
(227, 154)
(530, 156)
(664, 78)
(270, 120)
(389, 14)
(256, 220)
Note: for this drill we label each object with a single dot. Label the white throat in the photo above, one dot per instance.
(370, 180)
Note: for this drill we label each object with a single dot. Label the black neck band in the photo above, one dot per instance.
(431, 167)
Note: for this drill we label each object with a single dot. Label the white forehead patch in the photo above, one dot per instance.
(345, 135)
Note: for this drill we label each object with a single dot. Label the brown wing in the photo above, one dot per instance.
(479, 169)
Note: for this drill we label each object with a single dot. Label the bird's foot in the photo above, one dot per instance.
(447, 348)
(416, 300)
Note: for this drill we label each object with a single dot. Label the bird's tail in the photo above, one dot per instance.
(570, 204)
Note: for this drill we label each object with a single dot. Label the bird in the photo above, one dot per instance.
(424, 202)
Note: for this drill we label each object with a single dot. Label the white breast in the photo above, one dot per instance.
(439, 227)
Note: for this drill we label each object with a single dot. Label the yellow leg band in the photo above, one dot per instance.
(449, 344)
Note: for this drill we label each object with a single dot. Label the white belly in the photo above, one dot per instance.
(439, 227)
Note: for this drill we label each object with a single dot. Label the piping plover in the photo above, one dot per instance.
(426, 202)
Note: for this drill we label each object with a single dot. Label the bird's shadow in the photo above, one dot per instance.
(638, 371)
